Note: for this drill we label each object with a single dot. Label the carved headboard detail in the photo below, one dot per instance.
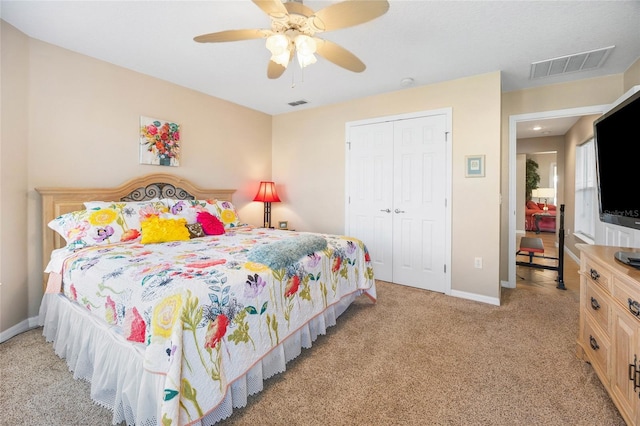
(58, 201)
(158, 190)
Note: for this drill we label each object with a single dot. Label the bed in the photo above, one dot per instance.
(173, 329)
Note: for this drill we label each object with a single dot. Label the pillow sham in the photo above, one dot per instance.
(227, 214)
(157, 230)
(130, 213)
(84, 228)
(189, 209)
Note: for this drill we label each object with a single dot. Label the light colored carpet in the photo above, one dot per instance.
(415, 357)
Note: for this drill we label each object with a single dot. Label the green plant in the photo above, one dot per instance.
(532, 177)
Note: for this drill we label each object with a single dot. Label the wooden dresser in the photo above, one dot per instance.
(609, 335)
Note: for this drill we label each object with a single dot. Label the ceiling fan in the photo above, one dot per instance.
(293, 30)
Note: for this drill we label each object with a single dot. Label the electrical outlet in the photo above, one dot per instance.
(477, 263)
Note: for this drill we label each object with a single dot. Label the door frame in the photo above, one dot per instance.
(447, 112)
(513, 121)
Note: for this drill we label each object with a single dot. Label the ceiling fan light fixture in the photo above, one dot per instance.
(278, 45)
(293, 30)
(305, 49)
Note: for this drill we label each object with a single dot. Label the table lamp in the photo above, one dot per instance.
(267, 194)
(545, 193)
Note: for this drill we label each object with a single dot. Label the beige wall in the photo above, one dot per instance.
(77, 124)
(309, 157)
(545, 162)
(14, 295)
(632, 76)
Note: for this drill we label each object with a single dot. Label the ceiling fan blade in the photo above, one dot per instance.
(295, 8)
(348, 13)
(339, 55)
(232, 35)
(274, 70)
(273, 8)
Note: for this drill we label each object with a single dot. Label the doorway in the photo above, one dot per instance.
(513, 137)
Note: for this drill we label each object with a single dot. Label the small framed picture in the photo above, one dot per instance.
(283, 224)
(474, 166)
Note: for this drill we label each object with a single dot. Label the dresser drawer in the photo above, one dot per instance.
(628, 295)
(597, 348)
(597, 303)
(596, 273)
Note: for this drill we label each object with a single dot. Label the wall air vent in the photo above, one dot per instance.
(584, 61)
(298, 103)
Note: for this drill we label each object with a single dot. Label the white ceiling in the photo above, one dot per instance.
(545, 127)
(429, 41)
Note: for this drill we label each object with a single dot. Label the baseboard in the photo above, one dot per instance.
(571, 255)
(506, 284)
(21, 327)
(476, 297)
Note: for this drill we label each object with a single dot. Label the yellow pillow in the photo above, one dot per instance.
(156, 230)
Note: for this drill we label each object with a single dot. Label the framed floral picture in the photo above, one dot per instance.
(159, 142)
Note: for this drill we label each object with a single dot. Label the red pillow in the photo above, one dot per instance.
(532, 205)
(211, 225)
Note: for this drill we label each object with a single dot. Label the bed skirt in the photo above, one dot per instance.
(114, 366)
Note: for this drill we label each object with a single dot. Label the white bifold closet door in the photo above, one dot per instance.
(397, 198)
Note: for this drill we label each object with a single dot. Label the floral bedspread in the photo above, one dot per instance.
(204, 312)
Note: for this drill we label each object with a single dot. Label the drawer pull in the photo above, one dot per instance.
(594, 304)
(634, 307)
(593, 343)
(594, 274)
(634, 374)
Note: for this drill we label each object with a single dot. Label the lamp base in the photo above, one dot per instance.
(267, 215)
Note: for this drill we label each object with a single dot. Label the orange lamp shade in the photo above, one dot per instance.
(267, 193)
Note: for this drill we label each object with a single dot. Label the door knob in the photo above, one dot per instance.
(399, 211)
(386, 210)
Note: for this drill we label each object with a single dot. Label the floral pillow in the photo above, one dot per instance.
(91, 227)
(227, 213)
(189, 209)
(130, 214)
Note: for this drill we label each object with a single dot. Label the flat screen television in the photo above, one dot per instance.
(617, 143)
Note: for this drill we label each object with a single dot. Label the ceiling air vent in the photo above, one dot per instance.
(571, 63)
(298, 103)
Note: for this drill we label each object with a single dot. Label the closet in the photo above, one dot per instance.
(398, 185)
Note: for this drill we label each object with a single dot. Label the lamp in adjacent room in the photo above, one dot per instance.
(267, 194)
(545, 193)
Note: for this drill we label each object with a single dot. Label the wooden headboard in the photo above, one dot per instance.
(58, 201)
